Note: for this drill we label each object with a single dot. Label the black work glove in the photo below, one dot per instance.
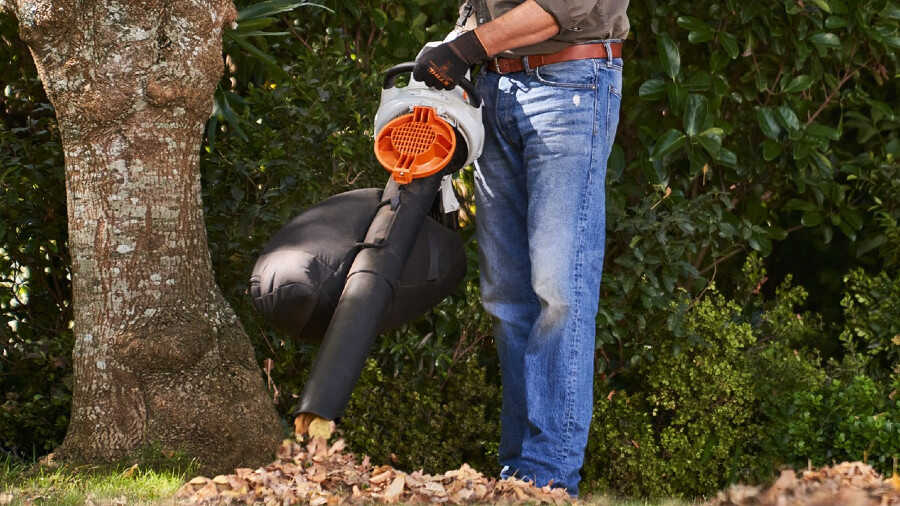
(442, 66)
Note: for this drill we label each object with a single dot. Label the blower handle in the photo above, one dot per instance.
(391, 74)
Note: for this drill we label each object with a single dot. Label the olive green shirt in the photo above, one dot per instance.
(580, 21)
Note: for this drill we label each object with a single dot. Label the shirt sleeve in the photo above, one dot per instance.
(568, 13)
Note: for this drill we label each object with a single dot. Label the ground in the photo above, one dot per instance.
(317, 472)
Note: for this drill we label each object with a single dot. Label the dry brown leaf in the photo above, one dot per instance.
(316, 473)
(200, 480)
(207, 491)
(128, 473)
(337, 447)
(320, 427)
(395, 489)
(894, 481)
(381, 477)
(435, 488)
(221, 480)
(301, 424)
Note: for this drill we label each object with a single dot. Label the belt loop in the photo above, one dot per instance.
(609, 56)
(527, 68)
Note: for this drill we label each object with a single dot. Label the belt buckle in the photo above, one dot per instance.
(497, 65)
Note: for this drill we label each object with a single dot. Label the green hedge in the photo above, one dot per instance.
(746, 128)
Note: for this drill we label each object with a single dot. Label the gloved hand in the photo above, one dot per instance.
(442, 66)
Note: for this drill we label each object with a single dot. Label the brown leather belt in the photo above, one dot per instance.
(576, 52)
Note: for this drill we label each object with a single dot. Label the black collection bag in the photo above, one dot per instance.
(300, 274)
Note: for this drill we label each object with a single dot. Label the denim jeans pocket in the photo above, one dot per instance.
(577, 74)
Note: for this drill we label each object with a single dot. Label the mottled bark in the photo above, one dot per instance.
(160, 357)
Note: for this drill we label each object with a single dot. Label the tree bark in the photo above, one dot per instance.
(160, 357)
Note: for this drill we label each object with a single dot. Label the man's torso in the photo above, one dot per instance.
(592, 20)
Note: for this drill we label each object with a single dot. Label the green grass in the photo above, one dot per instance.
(601, 500)
(24, 484)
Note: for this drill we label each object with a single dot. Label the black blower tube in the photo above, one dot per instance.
(368, 291)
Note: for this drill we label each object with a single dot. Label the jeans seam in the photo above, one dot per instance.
(578, 288)
(609, 106)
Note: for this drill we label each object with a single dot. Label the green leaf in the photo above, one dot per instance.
(826, 39)
(380, 18)
(711, 140)
(771, 150)
(727, 157)
(767, 122)
(823, 4)
(255, 51)
(870, 244)
(799, 205)
(259, 34)
(669, 142)
(761, 243)
(812, 219)
(700, 37)
(212, 125)
(694, 114)
(616, 164)
(692, 24)
(798, 83)
(271, 7)
(788, 118)
(893, 42)
(669, 56)
(698, 81)
(729, 43)
(231, 118)
(652, 89)
(892, 11)
(852, 217)
(822, 131)
(256, 24)
(832, 22)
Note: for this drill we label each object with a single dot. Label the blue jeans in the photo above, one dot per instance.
(540, 197)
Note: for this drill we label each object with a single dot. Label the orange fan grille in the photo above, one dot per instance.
(415, 145)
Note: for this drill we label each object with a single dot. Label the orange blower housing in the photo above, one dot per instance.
(414, 145)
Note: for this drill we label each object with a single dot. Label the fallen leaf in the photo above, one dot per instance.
(321, 427)
(128, 473)
(337, 447)
(392, 493)
(435, 488)
(301, 424)
(894, 481)
(208, 491)
(200, 480)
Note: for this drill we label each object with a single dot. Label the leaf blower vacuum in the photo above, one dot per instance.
(369, 260)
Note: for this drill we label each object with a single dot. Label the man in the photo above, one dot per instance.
(552, 91)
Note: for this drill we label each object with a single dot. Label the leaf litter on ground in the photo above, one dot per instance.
(309, 470)
(318, 473)
(844, 484)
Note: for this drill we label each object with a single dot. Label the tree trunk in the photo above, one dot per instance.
(160, 358)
